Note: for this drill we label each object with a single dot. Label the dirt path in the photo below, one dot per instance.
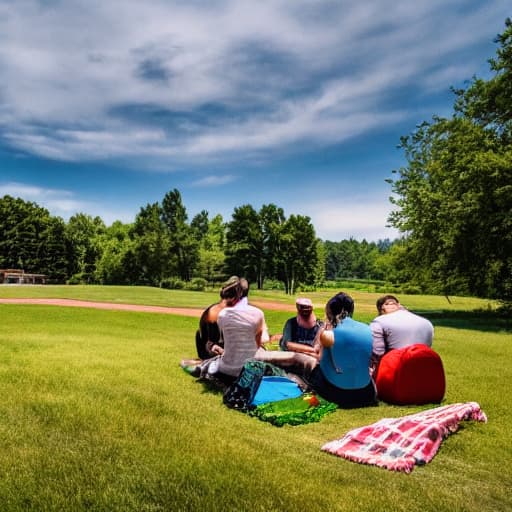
(195, 312)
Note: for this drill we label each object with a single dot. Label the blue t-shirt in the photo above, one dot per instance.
(346, 364)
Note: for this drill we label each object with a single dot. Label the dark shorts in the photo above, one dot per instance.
(345, 398)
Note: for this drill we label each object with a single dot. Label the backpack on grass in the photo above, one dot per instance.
(241, 393)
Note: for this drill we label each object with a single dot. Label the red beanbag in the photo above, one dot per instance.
(411, 375)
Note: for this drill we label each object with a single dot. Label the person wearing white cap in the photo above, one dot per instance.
(300, 331)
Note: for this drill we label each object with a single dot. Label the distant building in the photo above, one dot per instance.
(17, 276)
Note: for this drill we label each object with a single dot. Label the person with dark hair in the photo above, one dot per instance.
(208, 341)
(344, 347)
(397, 327)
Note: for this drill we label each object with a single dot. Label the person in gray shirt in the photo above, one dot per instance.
(397, 327)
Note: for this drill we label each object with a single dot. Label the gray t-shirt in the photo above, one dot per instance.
(400, 329)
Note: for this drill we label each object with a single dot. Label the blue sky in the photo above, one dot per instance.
(106, 106)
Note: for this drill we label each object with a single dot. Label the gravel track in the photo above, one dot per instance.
(195, 312)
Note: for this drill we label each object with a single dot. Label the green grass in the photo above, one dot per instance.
(365, 302)
(96, 414)
(116, 294)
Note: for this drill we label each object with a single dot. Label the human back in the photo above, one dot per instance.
(351, 353)
(397, 327)
(241, 330)
(403, 328)
(343, 375)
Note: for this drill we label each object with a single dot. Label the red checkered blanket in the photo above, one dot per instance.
(399, 444)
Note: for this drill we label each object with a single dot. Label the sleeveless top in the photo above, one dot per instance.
(294, 332)
(238, 327)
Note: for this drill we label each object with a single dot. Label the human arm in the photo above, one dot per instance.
(214, 342)
(324, 338)
(378, 339)
(287, 335)
(214, 349)
(259, 333)
(378, 347)
(265, 336)
(327, 338)
(300, 347)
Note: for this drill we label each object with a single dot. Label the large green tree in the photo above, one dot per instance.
(265, 245)
(488, 103)
(299, 253)
(244, 245)
(351, 259)
(184, 246)
(115, 266)
(150, 255)
(211, 247)
(32, 240)
(54, 250)
(454, 197)
(83, 232)
(272, 220)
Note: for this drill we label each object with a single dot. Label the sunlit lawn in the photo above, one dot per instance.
(365, 302)
(96, 414)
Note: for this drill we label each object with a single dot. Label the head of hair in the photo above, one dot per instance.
(231, 289)
(244, 285)
(339, 307)
(382, 300)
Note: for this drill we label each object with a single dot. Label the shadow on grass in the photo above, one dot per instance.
(478, 320)
(212, 386)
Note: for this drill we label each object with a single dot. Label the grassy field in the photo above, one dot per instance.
(365, 302)
(97, 415)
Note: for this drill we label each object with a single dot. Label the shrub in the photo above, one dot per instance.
(172, 283)
(81, 278)
(273, 284)
(306, 288)
(411, 290)
(197, 284)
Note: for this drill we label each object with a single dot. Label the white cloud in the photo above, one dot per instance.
(214, 181)
(59, 202)
(352, 217)
(286, 73)
(32, 192)
(63, 203)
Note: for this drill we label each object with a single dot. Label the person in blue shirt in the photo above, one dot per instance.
(345, 348)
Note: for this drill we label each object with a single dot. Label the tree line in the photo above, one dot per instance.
(453, 208)
(162, 248)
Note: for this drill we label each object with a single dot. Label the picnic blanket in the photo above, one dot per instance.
(307, 408)
(398, 444)
(268, 393)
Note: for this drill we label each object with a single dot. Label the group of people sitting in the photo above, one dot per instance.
(337, 358)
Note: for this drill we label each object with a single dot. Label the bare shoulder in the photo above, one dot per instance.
(327, 337)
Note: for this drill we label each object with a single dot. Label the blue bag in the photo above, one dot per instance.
(275, 388)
